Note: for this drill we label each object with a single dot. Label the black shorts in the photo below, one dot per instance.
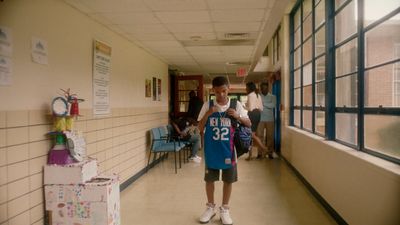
(228, 175)
(254, 117)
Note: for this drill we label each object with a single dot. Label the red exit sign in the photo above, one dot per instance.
(241, 72)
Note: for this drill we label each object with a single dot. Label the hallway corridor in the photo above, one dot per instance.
(268, 192)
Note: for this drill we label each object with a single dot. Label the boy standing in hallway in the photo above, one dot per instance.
(219, 153)
(267, 119)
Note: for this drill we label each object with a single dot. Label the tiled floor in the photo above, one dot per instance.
(267, 193)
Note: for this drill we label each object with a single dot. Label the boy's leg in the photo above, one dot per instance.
(229, 176)
(210, 192)
(226, 193)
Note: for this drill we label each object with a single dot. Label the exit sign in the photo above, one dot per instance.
(241, 72)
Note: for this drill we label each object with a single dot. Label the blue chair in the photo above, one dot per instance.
(187, 145)
(160, 144)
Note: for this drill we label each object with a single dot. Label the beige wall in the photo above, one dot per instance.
(363, 189)
(118, 141)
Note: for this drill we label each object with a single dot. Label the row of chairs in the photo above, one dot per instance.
(163, 141)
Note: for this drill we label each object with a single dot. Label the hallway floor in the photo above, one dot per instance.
(267, 192)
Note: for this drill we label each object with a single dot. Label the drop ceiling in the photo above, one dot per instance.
(207, 37)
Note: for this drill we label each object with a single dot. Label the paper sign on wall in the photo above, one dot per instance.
(39, 51)
(101, 78)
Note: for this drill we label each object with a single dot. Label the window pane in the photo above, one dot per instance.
(307, 50)
(346, 125)
(320, 13)
(374, 10)
(297, 78)
(320, 41)
(296, 58)
(346, 58)
(307, 95)
(382, 134)
(381, 86)
(382, 43)
(346, 91)
(346, 22)
(297, 97)
(307, 74)
(320, 94)
(306, 8)
(296, 117)
(320, 68)
(307, 27)
(297, 37)
(338, 3)
(320, 122)
(297, 19)
(307, 119)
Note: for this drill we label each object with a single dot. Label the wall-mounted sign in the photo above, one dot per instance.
(101, 78)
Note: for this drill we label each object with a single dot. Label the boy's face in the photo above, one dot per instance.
(221, 93)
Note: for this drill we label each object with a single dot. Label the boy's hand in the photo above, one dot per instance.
(231, 112)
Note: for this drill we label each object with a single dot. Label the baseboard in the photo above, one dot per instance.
(336, 216)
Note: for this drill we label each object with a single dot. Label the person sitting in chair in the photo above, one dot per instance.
(187, 130)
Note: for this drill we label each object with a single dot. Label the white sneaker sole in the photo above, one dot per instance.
(208, 220)
(225, 223)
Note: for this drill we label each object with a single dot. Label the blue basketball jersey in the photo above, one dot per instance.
(218, 142)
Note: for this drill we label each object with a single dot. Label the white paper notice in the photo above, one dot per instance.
(101, 78)
(5, 41)
(5, 71)
(39, 51)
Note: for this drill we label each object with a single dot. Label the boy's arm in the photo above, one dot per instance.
(203, 120)
(243, 120)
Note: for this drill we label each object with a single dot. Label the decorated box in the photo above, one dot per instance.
(96, 202)
(74, 173)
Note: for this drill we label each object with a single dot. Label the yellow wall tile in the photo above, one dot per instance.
(18, 188)
(80, 125)
(90, 137)
(36, 165)
(91, 149)
(17, 136)
(40, 117)
(3, 193)
(17, 153)
(3, 212)
(91, 125)
(17, 118)
(108, 123)
(39, 148)
(3, 119)
(3, 138)
(39, 222)
(3, 175)
(18, 205)
(36, 197)
(37, 213)
(39, 132)
(100, 135)
(17, 171)
(36, 181)
(100, 124)
(3, 156)
(23, 218)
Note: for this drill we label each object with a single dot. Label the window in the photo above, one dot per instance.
(276, 47)
(345, 73)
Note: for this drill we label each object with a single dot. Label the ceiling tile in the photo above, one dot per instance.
(190, 27)
(162, 44)
(184, 17)
(115, 6)
(131, 18)
(252, 15)
(176, 5)
(153, 37)
(79, 5)
(237, 27)
(252, 35)
(204, 49)
(193, 36)
(237, 4)
(144, 29)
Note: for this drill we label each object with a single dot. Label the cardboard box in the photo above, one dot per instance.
(74, 173)
(96, 202)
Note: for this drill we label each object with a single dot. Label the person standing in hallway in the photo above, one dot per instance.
(254, 107)
(267, 118)
(219, 153)
(195, 104)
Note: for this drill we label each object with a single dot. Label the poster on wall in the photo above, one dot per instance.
(148, 88)
(154, 89)
(159, 89)
(5, 41)
(5, 71)
(5, 56)
(101, 78)
(39, 51)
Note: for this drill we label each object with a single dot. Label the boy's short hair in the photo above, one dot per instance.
(220, 81)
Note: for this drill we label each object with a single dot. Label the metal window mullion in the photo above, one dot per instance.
(330, 83)
(313, 66)
(360, 42)
(291, 63)
(301, 64)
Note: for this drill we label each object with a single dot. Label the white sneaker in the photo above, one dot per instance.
(208, 214)
(225, 216)
(195, 159)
